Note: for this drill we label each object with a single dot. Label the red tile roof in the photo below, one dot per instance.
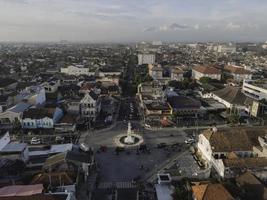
(211, 191)
(236, 70)
(21, 190)
(207, 69)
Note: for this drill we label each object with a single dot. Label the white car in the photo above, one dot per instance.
(147, 126)
(35, 140)
(59, 139)
(189, 141)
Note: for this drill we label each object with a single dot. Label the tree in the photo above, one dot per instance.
(175, 84)
(205, 80)
(177, 194)
(234, 118)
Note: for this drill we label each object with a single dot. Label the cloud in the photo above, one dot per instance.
(15, 1)
(151, 29)
(172, 27)
(176, 27)
(232, 26)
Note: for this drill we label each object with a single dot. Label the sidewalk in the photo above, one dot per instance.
(185, 128)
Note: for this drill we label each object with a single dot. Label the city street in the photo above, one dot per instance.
(126, 166)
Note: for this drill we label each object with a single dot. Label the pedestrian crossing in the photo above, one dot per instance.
(118, 185)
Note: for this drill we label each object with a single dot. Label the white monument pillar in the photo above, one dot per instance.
(129, 139)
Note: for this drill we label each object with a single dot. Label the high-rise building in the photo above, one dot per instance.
(146, 59)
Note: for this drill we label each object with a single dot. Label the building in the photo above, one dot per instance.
(232, 151)
(251, 187)
(153, 89)
(210, 191)
(238, 74)
(177, 74)
(14, 114)
(146, 59)
(76, 70)
(46, 118)
(66, 124)
(108, 71)
(184, 106)
(226, 48)
(34, 95)
(90, 106)
(206, 71)
(157, 110)
(70, 161)
(7, 85)
(256, 89)
(51, 86)
(232, 97)
(4, 139)
(164, 189)
(156, 72)
(15, 151)
(74, 105)
(32, 192)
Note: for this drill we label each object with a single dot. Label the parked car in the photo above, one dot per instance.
(161, 145)
(189, 141)
(35, 140)
(147, 126)
(59, 139)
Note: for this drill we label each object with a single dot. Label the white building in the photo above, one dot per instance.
(90, 106)
(231, 151)
(256, 89)
(157, 43)
(34, 95)
(206, 71)
(76, 70)
(237, 73)
(14, 113)
(177, 74)
(35, 118)
(146, 59)
(4, 139)
(51, 86)
(156, 72)
(231, 97)
(226, 48)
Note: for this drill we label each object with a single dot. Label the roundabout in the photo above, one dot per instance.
(129, 139)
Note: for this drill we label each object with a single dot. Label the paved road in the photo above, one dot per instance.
(125, 167)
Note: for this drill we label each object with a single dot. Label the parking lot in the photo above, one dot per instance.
(129, 165)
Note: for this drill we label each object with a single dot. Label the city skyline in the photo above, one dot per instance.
(131, 21)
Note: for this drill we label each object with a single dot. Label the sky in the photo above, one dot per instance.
(133, 20)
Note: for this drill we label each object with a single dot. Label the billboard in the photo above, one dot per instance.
(255, 108)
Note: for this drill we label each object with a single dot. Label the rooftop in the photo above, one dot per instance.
(20, 107)
(232, 95)
(39, 113)
(254, 189)
(21, 190)
(258, 83)
(210, 192)
(14, 147)
(182, 102)
(158, 106)
(235, 139)
(245, 162)
(207, 69)
(4, 82)
(164, 191)
(236, 70)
